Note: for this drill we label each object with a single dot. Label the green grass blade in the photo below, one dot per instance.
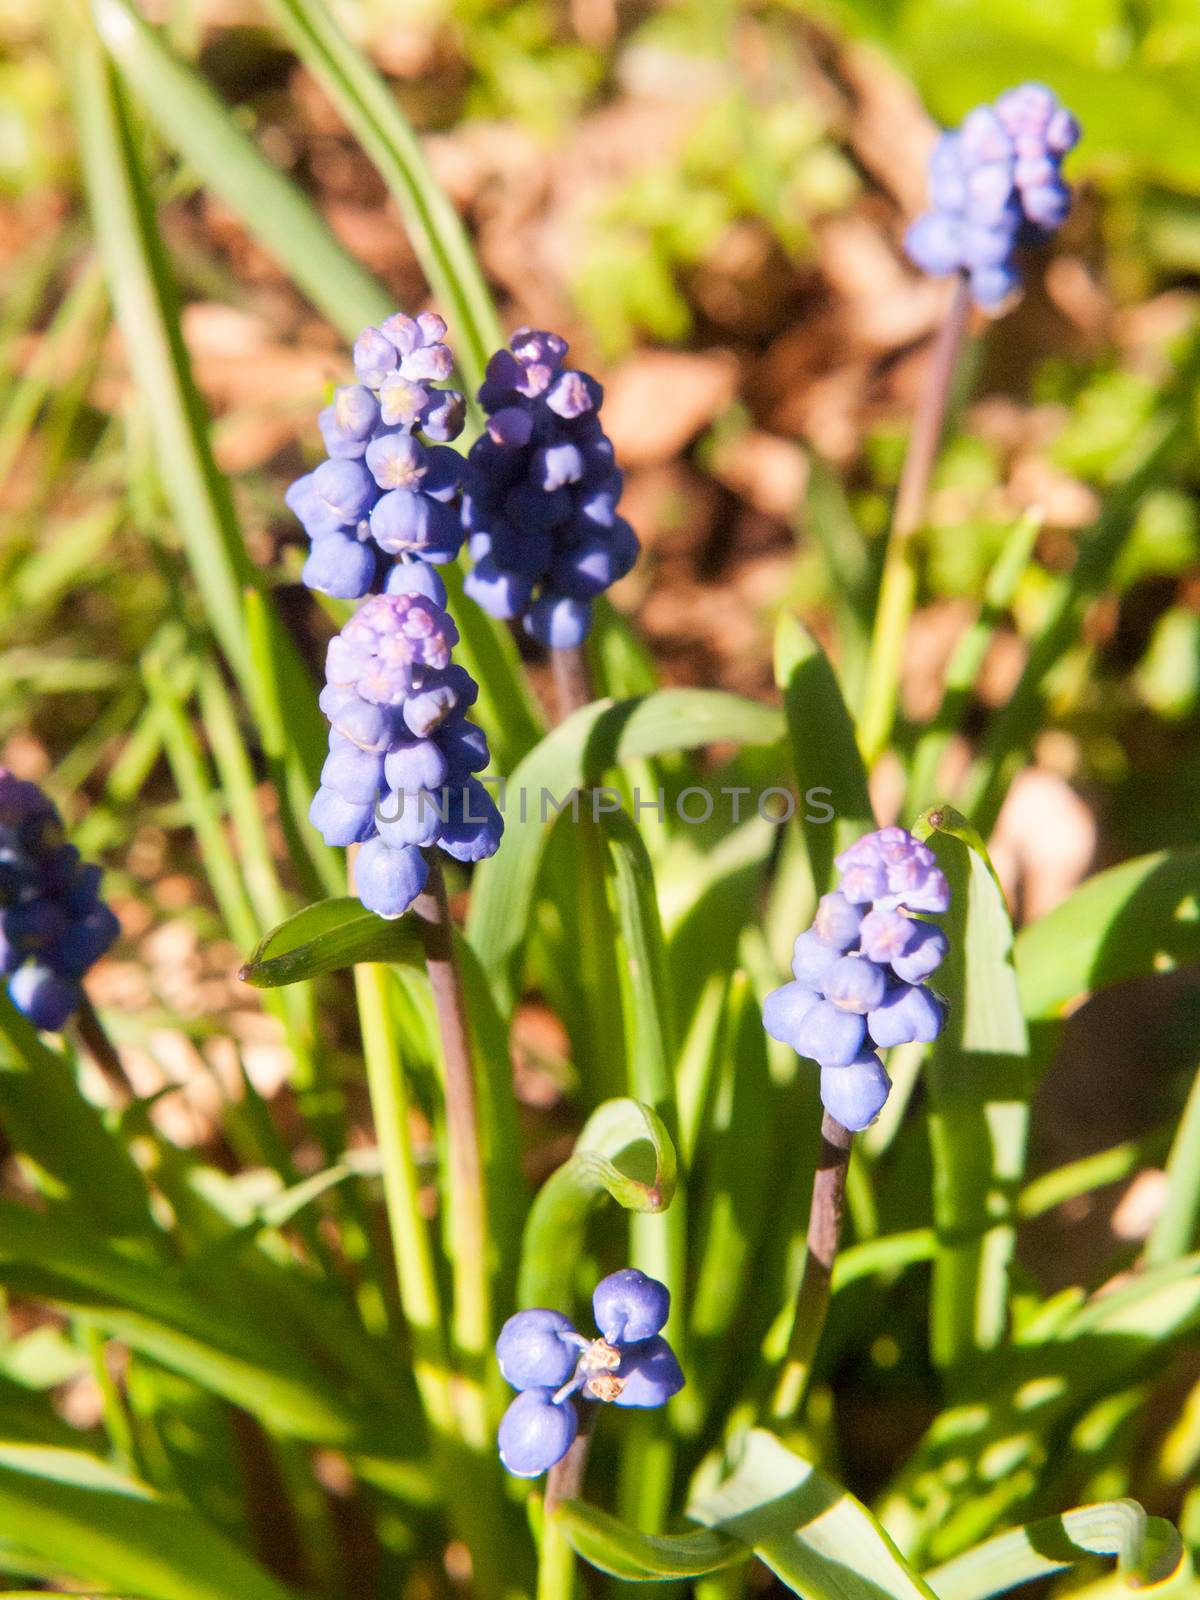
(623, 1151)
(74, 1515)
(978, 1102)
(328, 937)
(824, 749)
(814, 1535)
(1148, 1550)
(636, 1557)
(578, 753)
(374, 117)
(191, 118)
(1177, 1230)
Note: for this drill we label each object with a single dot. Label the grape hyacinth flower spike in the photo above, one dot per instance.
(541, 1355)
(400, 774)
(859, 973)
(540, 497)
(995, 184)
(381, 511)
(53, 923)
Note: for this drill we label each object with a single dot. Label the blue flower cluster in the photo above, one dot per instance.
(996, 183)
(859, 972)
(399, 776)
(541, 1354)
(384, 495)
(53, 923)
(541, 493)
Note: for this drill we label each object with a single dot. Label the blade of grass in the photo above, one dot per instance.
(192, 119)
(373, 115)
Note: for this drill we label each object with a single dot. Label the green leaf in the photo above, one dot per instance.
(1138, 918)
(327, 937)
(1148, 1550)
(824, 749)
(47, 1119)
(623, 1151)
(813, 1534)
(74, 1515)
(373, 115)
(637, 1557)
(191, 118)
(978, 1100)
(578, 753)
(158, 1314)
(1175, 1232)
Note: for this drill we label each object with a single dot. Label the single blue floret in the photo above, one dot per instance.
(860, 969)
(541, 1354)
(995, 184)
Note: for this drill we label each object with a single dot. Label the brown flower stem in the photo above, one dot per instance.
(897, 589)
(95, 1040)
(812, 1297)
(572, 679)
(556, 1565)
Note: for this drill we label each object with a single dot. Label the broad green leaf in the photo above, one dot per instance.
(657, 1245)
(813, 1534)
(1138, 918)
(577, 754)
(1148, 1550)
(189, 116)
(327, 937)
(824, 750)
(637, 1557)
(74, 1515)
(624, 1151)
(373, 115)
(48, 1120)
(157, 1313)
(978, 1100)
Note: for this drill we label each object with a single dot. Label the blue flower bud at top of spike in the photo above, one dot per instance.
(53, 923)
(346, 505)
(399, 775)
(541, 1354)
(540, 495)
(995, 184)
(860, 970)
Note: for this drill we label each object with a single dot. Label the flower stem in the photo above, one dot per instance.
(572, 679)
(556, 1563)
(897, 589)
(466, 1200)
(99, 1046)
(812, 1297)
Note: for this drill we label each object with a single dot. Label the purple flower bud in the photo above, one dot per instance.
(416, 764)
(649, 1374)
(854, 984)
(374, 357)
(388, 881)
(828, 1036)
(535, 1433)
(925, 952)
(341, 822)
(559, 622)
(854, 1095)
(935, 243)
(909, 1013)
(345, 488)
(629, 1306)
(785, 1009)
(501, 594)
(474, 825)
(410, 576)
(410, 818)
(346, 423)
(837, 922)
(45, 997)
(812, 958)
(340, 566)
(396, 461)
(538, 1349)
(351, 772)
